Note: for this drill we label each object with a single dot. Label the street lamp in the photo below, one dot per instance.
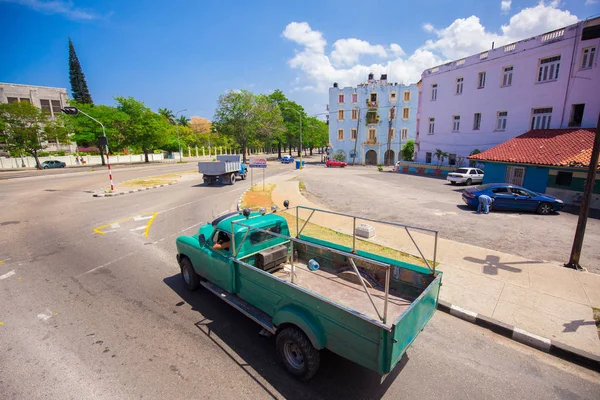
(178, 141)
(103, 142)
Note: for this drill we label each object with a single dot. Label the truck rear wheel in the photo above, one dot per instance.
(298, 355)
(231, 179)
(190, 277)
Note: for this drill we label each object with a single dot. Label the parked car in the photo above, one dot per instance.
(53, 164)
(335, 163)
(512, 197)
(287, 159)
(467, 176)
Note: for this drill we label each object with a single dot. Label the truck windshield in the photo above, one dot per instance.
(258, 237)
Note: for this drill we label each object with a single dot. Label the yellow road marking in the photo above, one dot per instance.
(1, 262)
(149, 223)
(1, 323)
(99, 231)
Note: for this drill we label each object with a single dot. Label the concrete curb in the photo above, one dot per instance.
(130, 191)
(239, 203)
(557, 349)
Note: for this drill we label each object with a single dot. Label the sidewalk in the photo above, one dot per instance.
(542, 298)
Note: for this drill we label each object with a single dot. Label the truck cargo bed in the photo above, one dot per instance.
(344, 292)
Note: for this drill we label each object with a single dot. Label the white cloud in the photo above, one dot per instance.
(505, 5)
(463, 37)
(66, 8)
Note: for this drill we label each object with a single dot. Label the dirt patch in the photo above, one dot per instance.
(256, 197)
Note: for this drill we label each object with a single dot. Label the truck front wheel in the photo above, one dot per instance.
(190, 277)
(298, 355)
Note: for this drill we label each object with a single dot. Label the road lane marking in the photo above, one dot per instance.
(140, 218)
(45, 316)
(7, 275)
(149, 215)
(149, 223)
(138, 228)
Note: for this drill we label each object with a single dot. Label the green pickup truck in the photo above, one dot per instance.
(310, 293)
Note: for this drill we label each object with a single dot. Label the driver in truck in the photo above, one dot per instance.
(223, 242)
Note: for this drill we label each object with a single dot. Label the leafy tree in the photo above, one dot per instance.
(408, 150)
(86, 132)
(291, 112)
(79, 87)
(247, 118)
(26, 127)
(144, 128)
(472, 163)
(441, 156)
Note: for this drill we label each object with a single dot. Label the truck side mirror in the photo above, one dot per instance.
(201, 239)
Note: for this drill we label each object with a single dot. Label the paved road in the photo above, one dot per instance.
(435, 204)
(88, 315)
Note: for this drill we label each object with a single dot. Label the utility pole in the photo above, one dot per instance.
(177, 130)
(585, 204)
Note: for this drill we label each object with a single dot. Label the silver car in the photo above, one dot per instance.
(465, 175)
(53, 164)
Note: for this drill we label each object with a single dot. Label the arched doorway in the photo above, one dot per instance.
(389, 158)
(371, 157)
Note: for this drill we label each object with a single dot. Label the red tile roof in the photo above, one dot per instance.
(559, 147)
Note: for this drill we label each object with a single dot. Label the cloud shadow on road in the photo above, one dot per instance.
(237, 336)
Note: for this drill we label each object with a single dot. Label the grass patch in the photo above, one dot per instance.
(256, 197)
(152, 181)
(302, 186)
(597, 319)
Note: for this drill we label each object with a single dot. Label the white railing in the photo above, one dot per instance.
(553, 35)
(460, 62)
(483, 56)
(510, 47)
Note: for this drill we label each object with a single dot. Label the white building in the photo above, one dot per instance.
(49, 99)
(548, 81)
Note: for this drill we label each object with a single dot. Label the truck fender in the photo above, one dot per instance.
(303, 319)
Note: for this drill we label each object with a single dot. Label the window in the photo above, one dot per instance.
(12, 100)
(392, 97)
(541, 118)
(340, 134)
(372, 134)
(501, 120)
(507, 76)
(480, 172)
(407, 96)
(428, 157)
(576, 114)
(451, 159)
(391, 133)
(353, 133)
(354, 114)
(374, 97)
(548, 70)
(481, 80)
(258, 237)
(563, 178)
(500, 190)
(355, 97)
(340, 115)
(340, 98)
(476, 121)
(459, 85)
(434, 92)
(587, 57)
(56, 107)
(404, 134)
(405, 113)
(45, 104)
(455, 123)
(431, 126)
(24, 100)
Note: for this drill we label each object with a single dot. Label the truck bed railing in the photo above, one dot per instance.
(349, 256)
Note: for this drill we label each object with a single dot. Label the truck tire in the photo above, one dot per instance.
(244, 175)
(298, 355)
(231, 179)
(190, 278)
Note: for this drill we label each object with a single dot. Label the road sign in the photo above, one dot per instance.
(258, 163)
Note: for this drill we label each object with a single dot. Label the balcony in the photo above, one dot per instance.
(371, 141)
(372, 104)
(372, 117)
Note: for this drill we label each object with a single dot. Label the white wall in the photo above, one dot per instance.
(8, 163)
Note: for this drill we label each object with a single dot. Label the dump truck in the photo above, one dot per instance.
(312, 294)
(226, 169)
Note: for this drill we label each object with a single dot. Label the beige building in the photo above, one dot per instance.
(49, 99)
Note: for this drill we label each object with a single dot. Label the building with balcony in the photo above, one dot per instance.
(548, 81)
(49, 99)
(371, 122)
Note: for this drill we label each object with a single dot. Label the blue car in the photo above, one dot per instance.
(287, 159)
(512, 197)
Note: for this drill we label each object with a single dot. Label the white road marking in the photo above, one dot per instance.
(115, 225)
(7, 275)
(141, 218)
(45, 316)
(138, 228)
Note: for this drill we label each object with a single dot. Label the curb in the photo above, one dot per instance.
(239, 203)
(556, 349)
(130, 191)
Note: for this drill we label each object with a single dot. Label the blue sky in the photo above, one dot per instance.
(184, 54)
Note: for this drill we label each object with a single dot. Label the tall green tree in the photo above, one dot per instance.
(168, 114)
(79, 87)
(408, 150)
(247, 118)
(183, 120)
(27, 127)
(291, 112)
(144, 128)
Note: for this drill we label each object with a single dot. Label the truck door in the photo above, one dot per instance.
(221, 268)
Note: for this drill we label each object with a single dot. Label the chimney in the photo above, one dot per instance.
(335, 84)
(492, 45)
(371, 76)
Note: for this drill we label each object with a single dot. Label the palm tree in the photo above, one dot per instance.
(165, 112)
(441, 156)
(183, 120)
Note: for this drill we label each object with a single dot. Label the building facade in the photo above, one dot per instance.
(371, 122)
(49, 99)
(545, 82)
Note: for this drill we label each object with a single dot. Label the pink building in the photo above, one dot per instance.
(548, 81)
